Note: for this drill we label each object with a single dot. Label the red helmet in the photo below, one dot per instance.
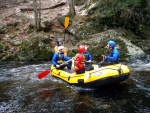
(81, 49)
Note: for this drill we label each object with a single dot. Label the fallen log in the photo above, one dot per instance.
(52, 7)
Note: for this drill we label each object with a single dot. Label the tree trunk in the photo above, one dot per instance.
(72, 12)
(37, 14)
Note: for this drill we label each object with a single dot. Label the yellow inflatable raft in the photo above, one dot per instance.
(95, 78)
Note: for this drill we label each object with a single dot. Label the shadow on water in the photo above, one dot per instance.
(21, 91)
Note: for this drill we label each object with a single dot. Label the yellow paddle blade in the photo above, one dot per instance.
(66, 23)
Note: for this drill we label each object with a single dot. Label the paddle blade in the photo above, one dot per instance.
(66, 23)
(43, 74)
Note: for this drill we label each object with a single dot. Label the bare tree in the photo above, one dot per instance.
(72, 11)
(37, 14)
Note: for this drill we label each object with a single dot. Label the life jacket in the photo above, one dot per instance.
(60, 58)
(64, 50)
(79, 61)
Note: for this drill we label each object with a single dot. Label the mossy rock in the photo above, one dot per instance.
(3, 29)
(35, 49)
(16, 42)
(3, 47)
(44, 54)
(9, 57)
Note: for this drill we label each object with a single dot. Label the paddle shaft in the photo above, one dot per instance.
(46, 72)
(64, 62)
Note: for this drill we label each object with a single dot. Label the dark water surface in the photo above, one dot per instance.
(22, 92)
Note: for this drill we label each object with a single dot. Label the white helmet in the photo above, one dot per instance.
(60, 47)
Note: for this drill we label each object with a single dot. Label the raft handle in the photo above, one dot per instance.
(80, 80)
(120, 71)
(68, 78)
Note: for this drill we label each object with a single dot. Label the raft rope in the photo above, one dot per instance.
(119, 71)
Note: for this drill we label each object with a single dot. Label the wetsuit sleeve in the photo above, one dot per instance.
(65, 58)
(54, 59)
(89, 55)
(114, 56)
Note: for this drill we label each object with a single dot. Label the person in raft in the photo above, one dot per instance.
(60, 43)
(79, 60)
(88, 60)
(113, 57)
(59, 58)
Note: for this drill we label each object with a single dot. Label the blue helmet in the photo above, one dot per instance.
(112, 43)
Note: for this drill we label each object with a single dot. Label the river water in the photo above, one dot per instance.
(22, 92)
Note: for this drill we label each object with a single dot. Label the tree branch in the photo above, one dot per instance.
(52, 7)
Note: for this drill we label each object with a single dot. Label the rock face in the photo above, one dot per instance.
(36, 48)
(97, 42)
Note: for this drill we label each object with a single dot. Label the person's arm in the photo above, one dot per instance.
(90, 57)
(65, 58)
(114, 56)
(54, 59)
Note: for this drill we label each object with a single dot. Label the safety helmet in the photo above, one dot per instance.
(59, 40)
(60, 47)
(112, 43)
(81, 49)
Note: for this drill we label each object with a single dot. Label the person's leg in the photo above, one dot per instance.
(89, 67)
(62, 66)
(81, 71)
(103, 63)
(69, 65)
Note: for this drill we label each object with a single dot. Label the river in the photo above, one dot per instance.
(22, 92)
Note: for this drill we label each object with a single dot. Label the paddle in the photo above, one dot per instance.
(66, 23)
(46, 72)
(43, 74)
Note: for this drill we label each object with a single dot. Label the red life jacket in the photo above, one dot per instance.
(79, 61)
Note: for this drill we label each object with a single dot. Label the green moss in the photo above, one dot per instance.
(3, 29)
(9, 57)
(44, 54)
(128, 14)
(3, 47)
(35, 49)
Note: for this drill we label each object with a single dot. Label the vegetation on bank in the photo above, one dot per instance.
(130, 16)
(133, 15)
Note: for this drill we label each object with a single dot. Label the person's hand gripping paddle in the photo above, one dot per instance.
(46, 72)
